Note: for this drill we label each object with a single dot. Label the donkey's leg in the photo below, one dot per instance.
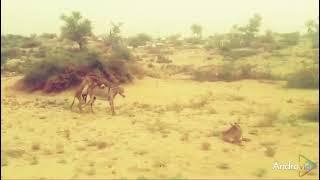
(81, 103)
(72, 103)
(112, 107)
(91, 103)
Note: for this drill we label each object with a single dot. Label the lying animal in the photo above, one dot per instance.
(233, 134)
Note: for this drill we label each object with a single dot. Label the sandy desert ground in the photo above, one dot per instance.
(164, 128)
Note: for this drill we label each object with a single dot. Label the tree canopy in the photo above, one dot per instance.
(76, 28)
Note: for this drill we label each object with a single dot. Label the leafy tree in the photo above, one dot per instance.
(113, 38)
(268, 37)
(196, 30)
(313, 32)
(250, 30)
(76, 28)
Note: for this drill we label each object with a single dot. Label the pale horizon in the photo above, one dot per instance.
(157, 18)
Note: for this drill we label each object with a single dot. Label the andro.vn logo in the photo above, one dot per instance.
(306, 165)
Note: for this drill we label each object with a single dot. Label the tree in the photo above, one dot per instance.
(114, 38)
(313, 32)
(251, 29)
(196, 30)
(76, 28)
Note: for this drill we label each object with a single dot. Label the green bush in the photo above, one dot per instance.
(205, 75)
(118, 71)
(238, 53)
(41, 53)
(48, 35)
(9, 53)
(10, 41)
(139, 40)
(288, 39)
(61, 69)
(230, 71)
(120, 51)
(304, 78)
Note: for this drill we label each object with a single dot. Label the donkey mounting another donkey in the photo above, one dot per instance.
(88, 84)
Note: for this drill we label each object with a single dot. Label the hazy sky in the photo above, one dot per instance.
(156, 17)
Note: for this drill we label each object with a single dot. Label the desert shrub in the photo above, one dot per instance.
(262, 45)
(136, 70)
(194, 40)
(238, 53)
(174, 39)
(304, 78)
(230, 71)
(120, 51)
(15, 65)
(37, 76)
(309, 54)
(9, 53)
(139, 40)
(162, 59)
(288, 39)
(214, 42)
(10, 40)
(48, 35)
(30, 43)
(41, 52)
(224, 72)
(206, 75)
(61, 69)
(118, 70)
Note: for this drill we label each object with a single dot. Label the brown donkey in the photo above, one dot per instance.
(88, 84)
(233, 134)
(113, 91)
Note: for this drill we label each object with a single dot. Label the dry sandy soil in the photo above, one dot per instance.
(164, 128)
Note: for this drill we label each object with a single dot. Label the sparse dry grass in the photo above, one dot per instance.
(205, 146)
(269, 117)
(178, 120)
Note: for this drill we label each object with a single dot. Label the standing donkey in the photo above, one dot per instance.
(113, 91)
